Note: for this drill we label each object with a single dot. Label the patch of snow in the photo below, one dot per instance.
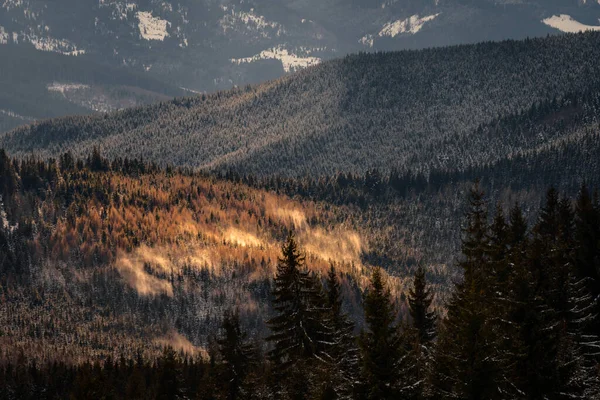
(11, 4)
(62, 46)
(152, 28)
(47, 43)
(290, 61)
(565, 23)
(410, 25)
(190, 90)
(62, 88)
(167, 6)
(15, 115)
(251, 20)
(366, 40)
(3, 36)
(120, 9)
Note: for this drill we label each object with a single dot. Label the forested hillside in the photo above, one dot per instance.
(436, 109)
(521, 324)
(104, 257)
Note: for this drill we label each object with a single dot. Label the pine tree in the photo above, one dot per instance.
(552, 364)
(236, 354)
(297, 329)
(301, 339)
(517, 228)
(170, 381)
(380, 344)
(468, 363)
(419, 300)
(417, 341)
(344, 352)
(587, 252)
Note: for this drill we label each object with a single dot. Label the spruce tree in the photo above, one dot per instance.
(468, 364)
(587, 252)
(419, 301)
(297, 329)
(380, 344)
(236, 354)
(552, 364)
(343, 352)
(300, 336)
(417, 341)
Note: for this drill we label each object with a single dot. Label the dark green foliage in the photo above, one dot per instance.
(380, 343)
(344, 353)
(237, 356)
(468, 362)
(587, 253)
(298, 331)
(419, 300)
(418, 341)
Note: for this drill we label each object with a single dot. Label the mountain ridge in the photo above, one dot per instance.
(373, 110)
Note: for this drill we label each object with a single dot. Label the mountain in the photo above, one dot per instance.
(125, 232)
(417, 111)
(40, 85)
(213, 45)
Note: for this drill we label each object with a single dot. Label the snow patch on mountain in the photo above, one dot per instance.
(251, 20)
(48, 43)
(366, 40)
(65, 87)
(15, 115)
(152, 28)
(410, 25)
(3, 36)
(12, 4)
(120, 9)
(62, 46)
(291, 62)
(566, 23)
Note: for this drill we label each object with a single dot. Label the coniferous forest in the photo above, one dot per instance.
(421, 224)
(522, 320)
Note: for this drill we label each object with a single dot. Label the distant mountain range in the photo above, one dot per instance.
(207, 45)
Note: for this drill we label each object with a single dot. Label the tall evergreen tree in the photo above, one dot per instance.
(380, 344)
(419, 301)
(468, 364)
(300, 337)
(587, 252)
(236, 353)
(417, 341)
(297, 329)
(170, 379)
(344, 352)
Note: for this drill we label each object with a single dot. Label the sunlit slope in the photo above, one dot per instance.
(104, 262)
(363, 111)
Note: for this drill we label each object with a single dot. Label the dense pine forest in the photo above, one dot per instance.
(136, 256)
(521, 323)
(449, 108)
(407, 225)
